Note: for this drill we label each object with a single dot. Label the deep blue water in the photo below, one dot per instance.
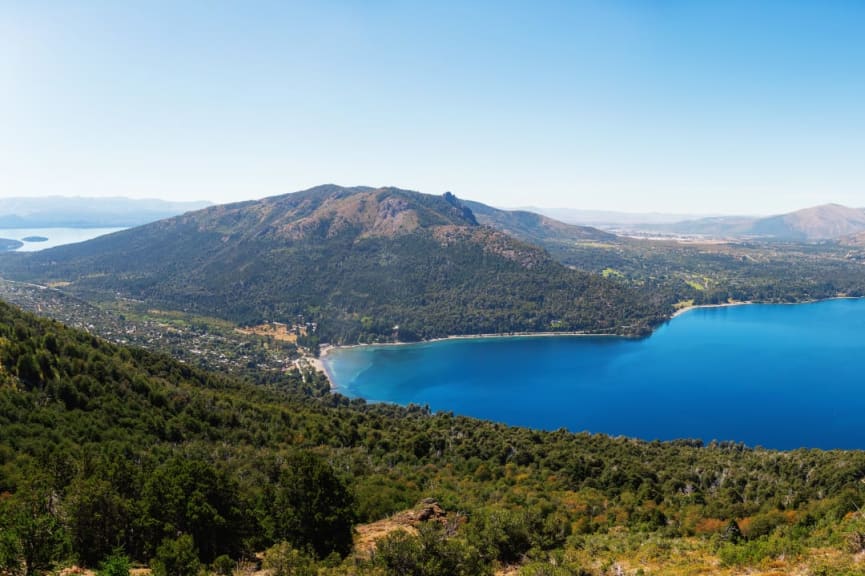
(780, 376)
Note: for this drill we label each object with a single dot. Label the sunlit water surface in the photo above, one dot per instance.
(780, 376)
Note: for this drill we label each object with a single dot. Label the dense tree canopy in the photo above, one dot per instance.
(104, 447)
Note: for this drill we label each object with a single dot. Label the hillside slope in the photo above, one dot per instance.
(103, 446)
(358, 261)
(534, 228)
(826, 222)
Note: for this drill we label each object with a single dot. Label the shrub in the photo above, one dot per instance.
(223, 565)
(755, 551)
(283, 560)
(176, 558)
(115, 564)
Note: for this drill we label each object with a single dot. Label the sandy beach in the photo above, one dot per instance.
(749, 302)
(318, 363)
(681, 311)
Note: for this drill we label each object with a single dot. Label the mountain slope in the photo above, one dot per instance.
(534, 228)
(357, 261)
(826, 222)
(856, 239)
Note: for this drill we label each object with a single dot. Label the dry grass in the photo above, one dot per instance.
(275, 330)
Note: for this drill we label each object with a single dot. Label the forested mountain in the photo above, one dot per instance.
(359, 262)
(103, 447)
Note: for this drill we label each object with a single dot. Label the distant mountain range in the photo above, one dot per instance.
(829, 222)
(77, 212)
(364, 263)
(610, 218)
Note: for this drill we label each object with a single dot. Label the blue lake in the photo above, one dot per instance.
(780, 376)
(55, 236)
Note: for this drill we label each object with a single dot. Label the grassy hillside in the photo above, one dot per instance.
(357, 261)
(104, 446)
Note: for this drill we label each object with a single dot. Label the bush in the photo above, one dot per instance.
(428, 554)
(547, 569)
(283, 560)
(115, 564)
(223, 565)
(176, 558)
(400, 553)
(10, 553)
(755, 551)
(501, 535)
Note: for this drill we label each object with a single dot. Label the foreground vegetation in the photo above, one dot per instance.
(109, 454)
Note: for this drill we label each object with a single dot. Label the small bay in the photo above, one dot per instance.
(780, 376)
(35, 239)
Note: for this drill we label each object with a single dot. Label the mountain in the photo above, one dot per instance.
(362, 263)
(828, 222)
(609, 218)
(713, 226)
(856, 239)
(534, 228)
(76, 212)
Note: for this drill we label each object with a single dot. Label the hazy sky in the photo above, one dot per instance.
(693, 106)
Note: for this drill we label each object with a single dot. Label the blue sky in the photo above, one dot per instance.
(697, 106)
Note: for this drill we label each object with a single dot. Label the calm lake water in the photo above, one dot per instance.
(780, 376)
(56, 236)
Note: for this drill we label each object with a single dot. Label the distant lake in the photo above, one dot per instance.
(56, 236)
(780, 376)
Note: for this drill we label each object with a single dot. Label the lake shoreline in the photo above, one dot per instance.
(320, 364)
(681, 311)
(328, 348)
(707, 376)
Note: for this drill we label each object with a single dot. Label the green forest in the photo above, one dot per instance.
(112, 457)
